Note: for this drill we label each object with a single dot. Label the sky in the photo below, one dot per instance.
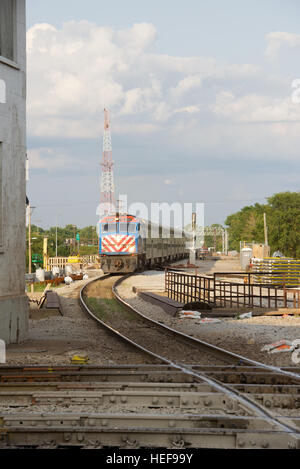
(202, 98)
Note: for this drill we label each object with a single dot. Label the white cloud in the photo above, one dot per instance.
(35, 37)
(76, 71)
(192, 105)
(255, 108)
(278, 39)
(189, 109)
(47, 159)
(188, 83)
(137, 38)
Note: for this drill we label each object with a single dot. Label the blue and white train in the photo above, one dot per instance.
(128, 243)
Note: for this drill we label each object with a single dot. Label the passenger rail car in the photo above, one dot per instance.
(128, 243)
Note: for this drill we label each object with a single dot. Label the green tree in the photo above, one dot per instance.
(283, 221)
(88, 241)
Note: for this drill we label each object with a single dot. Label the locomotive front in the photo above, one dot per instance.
(119, 243)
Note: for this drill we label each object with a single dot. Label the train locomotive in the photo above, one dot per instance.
(128, 243)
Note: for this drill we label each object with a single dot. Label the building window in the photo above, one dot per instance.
(7, 28)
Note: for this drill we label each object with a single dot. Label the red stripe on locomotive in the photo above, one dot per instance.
(117, 243)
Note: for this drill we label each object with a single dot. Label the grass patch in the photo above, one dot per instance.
(104, 307)
(96, 307)
(116, 307)
(40, 288)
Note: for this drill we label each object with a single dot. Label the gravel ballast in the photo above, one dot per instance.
(242, 336)
(55, 339)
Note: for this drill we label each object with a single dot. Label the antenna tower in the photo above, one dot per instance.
(107, 196)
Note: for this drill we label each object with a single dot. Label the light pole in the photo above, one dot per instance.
(56, 234)
(74, 226)
(29, 240)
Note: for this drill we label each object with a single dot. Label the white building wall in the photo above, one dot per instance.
(13, 301)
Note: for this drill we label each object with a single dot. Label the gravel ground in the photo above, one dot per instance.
(209, 266)
(245, 337)
(151, 337)
(108, 409)
(55, 339)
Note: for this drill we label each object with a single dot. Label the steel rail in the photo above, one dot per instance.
(258, 409)
(111, 329)
(126, 437)
(239, 359)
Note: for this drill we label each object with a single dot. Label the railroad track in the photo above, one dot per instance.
(140, 406)
(216, 399)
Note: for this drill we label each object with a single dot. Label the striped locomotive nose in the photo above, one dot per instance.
(118, 243)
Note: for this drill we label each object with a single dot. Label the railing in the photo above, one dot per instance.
(186, 288)
(215, 290)
(57, 262)
(246, 292)
(232, 294)
(61, 262)
(291, 295)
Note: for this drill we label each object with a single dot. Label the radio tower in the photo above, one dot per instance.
(107, 196)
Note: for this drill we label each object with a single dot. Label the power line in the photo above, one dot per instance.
(224, 201)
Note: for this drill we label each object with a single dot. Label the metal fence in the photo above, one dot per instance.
(186, 288)
(221, 292)
(231, 294)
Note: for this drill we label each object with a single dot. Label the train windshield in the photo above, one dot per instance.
(132, 227)
(127, 227)
(109, 227)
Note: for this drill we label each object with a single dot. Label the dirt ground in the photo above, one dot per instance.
(209, 266)
(54, 339)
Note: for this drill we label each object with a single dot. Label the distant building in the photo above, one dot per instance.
(13, 301)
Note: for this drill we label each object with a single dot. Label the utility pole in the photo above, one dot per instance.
(29, 238)
(265, 229)
(56, 235)
(223, 241)
(194, 229)
(215, 239)
(29, 241)
(75, 239)
(193, 248)
(74, 226)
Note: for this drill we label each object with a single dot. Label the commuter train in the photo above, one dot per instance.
(128, 243)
